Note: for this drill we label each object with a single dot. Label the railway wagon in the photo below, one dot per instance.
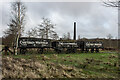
(84, 46)
(90, 46)
(25, 42)
(60, 46)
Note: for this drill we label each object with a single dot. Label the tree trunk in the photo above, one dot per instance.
(19, 29)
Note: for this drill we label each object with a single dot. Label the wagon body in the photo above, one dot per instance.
(25, 42)
(40, 44)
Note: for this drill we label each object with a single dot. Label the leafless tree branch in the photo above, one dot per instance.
(112, 3)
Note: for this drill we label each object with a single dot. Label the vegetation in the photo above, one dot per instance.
(44, 30)
(89, 65)
(17, 22)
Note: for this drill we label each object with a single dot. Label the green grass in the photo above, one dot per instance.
(95, 69)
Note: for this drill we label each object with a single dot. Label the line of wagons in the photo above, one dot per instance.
(25, 43)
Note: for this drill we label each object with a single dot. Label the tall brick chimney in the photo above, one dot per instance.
(74, 38)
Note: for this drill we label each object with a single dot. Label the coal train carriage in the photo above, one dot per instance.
(25, 42)
(90, 46)
(84, 46)
(60, 46)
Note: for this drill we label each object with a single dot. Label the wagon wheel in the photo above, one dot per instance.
(97, 50)
(92, 50)
(40, 50)
(23, 50)
(68, 50)
(58, 50)
(74, 50)
(86, 50)
(82, 50)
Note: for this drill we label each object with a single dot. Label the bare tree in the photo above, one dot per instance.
(115, 3)
(111, 3)
(55, 36)
(68, 35)
(32, 32)
(109, 36)
(78, 37)
(46, 28)
(64, 36)
(41, 32)
(29, 34)
(17, 22)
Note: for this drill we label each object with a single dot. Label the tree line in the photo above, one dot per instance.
(44, 30)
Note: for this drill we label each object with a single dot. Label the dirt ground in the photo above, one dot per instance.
(23, 68)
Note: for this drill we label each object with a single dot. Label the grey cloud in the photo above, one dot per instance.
(93, 19)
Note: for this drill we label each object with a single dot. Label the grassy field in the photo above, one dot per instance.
(91, 65)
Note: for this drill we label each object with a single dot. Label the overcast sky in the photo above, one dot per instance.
(93, 19)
